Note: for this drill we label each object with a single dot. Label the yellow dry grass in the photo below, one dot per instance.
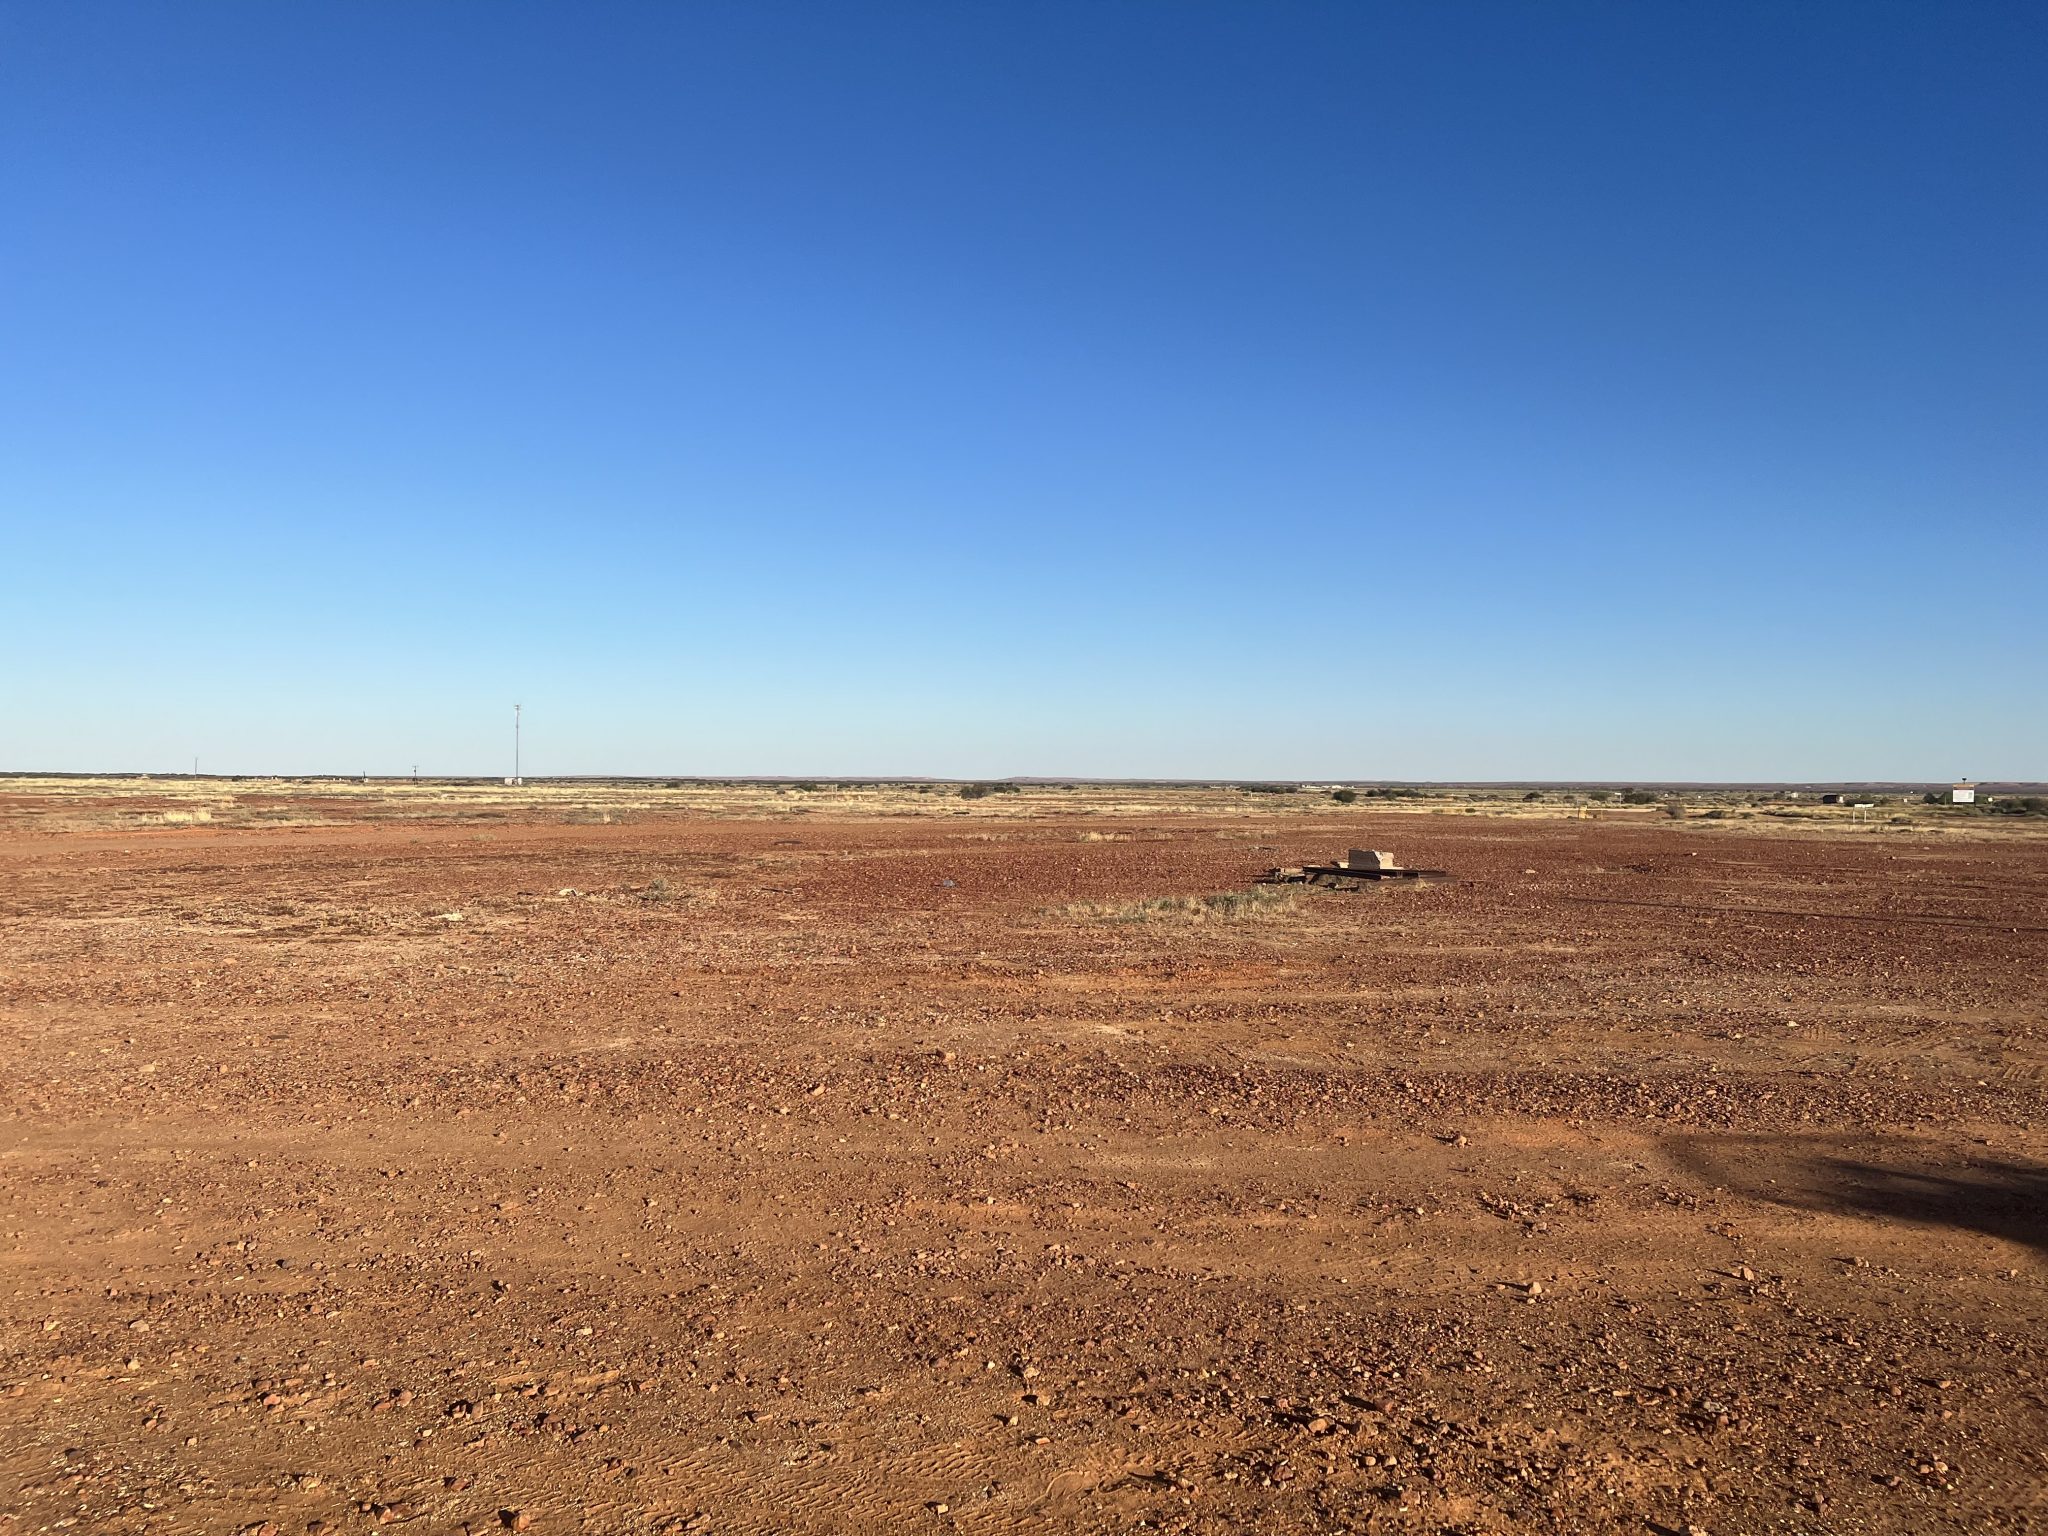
(125, 803)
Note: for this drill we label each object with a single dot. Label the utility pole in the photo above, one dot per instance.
(515, 743)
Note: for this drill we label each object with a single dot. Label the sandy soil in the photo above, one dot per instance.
(750, 1174)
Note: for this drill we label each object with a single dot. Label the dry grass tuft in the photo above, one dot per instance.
(1261, 901)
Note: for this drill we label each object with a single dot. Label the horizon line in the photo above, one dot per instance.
(850, 780)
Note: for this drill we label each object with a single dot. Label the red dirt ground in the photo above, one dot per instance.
(1639, 1179)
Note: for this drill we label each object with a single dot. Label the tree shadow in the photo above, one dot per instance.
(1873, 1178)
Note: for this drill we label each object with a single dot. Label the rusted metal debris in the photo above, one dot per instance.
(1359, 865)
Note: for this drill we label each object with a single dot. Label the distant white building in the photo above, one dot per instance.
(1962, 794)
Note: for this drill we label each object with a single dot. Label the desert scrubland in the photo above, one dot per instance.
(752, 1160)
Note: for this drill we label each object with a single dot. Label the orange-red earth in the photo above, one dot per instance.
(794, 1175)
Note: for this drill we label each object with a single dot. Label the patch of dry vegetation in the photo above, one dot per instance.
(1261, 901)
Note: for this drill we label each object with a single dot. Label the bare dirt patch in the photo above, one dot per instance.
(715, 1169)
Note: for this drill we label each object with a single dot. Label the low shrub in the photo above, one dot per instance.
(983, 791)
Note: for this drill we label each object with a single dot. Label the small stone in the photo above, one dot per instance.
(514, 1519)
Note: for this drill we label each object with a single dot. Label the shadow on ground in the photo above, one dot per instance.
(1880, 1180)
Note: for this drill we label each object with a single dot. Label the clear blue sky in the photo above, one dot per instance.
(1623, 390)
